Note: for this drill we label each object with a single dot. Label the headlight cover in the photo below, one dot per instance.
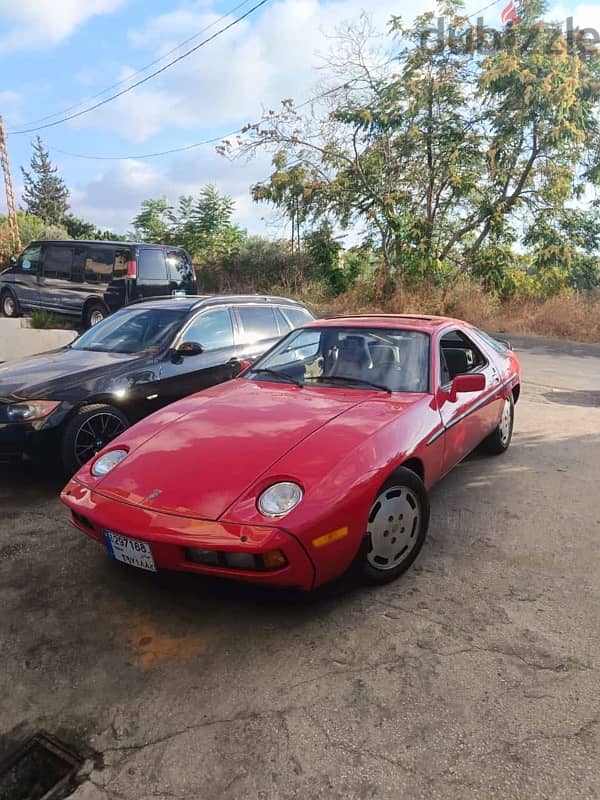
(103, 465)
(28, 411)
(279, 499)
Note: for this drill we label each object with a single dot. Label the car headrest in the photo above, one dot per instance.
(457, 361)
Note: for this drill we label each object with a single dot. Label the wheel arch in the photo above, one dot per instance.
(93, 300)
(516, 391)
(414, 465)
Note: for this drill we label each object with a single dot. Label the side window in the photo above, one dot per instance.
(30, 260)
(297, 316)
(458, 356)
(99, 264)
(120, 265)
(284, 325)
(152, 265)
(258, 323)
(212, 329)
(180, 269)
(58, 262)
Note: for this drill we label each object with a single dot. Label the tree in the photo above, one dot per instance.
(153, 223)
(45, 193)
(79, 228)
(448, 154)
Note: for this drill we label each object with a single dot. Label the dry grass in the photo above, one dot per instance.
(569, 316)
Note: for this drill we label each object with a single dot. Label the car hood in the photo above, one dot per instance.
(199, 455)
(48, 375)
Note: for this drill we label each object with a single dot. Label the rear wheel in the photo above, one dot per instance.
(397, 527)
(91, 429)
(499, 440)
(93, 314)
(10, 307)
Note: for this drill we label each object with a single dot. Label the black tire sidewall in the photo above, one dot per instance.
(494, 444)
(8, 294)
(87, 323)
(406, 478)
(71, 428)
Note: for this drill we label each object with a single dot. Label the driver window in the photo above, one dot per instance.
(30, 259)
(212, 329)
(458, 356)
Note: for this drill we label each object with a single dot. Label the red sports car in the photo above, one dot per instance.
(318, 457)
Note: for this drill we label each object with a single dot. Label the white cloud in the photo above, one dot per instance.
(45, 22)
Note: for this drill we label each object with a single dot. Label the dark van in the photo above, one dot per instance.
(87, 281)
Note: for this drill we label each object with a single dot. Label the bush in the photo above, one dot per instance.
(43, 320)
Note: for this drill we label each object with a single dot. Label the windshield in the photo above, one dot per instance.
(131, 330)
(361, 358)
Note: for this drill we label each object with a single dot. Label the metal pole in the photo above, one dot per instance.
(13, 226)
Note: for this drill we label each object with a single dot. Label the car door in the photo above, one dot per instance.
(258, 329)
(60, 278)
(152, 276)
(23, 278)
(181, 375)
(470, 416)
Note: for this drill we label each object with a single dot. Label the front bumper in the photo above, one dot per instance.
(169, 535)
(24, 439)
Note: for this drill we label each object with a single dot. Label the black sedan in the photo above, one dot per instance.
(73, 401)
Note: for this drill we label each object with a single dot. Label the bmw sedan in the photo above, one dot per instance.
(74, 401)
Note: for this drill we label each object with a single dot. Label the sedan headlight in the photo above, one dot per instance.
(28, 411)
(279, 499)
(103, 465)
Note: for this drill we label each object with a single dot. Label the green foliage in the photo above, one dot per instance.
(45, 194)
(153, 223)
(43, 320)
(81, 229)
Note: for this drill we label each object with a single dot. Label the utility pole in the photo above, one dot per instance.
(13, 227)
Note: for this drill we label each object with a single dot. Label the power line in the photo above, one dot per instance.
(148, 77)
(173, 150)
(140, 70)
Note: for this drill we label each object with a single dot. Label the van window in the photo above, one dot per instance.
(180, 269)
(152, 265)
(30, 260)
(58, 262)
(121, 259)
(99, 264)
(258, 322)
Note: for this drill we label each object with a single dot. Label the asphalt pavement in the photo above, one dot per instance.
(474, 676)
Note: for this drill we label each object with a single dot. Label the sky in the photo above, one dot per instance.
(55, 54)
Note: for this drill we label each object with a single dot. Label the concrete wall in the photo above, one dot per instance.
(18, 341)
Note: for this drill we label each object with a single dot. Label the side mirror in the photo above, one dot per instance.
(12, 261)
(474, 382)
(189, 349)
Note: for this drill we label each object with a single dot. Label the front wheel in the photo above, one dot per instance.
(9, 304)
(397, 527)
(91, 429)
(499, 440)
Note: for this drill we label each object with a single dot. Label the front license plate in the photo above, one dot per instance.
(129, 551)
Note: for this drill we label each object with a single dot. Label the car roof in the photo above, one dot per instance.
(192, 302)
(417, 322)
(106, 242)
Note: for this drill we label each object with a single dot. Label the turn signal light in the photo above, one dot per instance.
(274, 559)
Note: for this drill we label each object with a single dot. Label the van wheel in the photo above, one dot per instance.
(93, 314)
(91, 429)
(10, 307)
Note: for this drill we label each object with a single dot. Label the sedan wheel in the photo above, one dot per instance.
(498, 441)
(397, 527)
(90, 430)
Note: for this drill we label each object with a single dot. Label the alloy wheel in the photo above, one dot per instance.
(95, 433)
(506, 422)
(393, 527)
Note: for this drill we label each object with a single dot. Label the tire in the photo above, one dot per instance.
(87, 432)
(499, 440)
(402, 499)
(93, 314)
(9, 304)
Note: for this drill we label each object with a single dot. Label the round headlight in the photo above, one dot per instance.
(107, 462)
(279, 499)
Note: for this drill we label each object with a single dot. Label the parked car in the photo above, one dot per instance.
(78, 398)
(87, 281)
(317, 457)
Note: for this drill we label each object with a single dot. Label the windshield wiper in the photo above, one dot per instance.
(346, 379)
(278, 374)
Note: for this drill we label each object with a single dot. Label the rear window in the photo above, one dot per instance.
(258, 322)
(180, 267)
(152, 265)
(297, 316)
